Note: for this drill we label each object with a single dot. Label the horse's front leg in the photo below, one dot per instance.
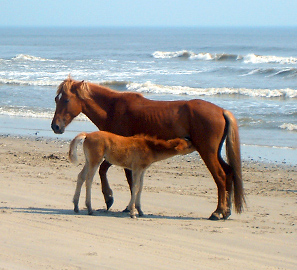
(106, 190)
(80, 180)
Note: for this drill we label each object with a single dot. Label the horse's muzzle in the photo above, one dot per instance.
(57, 129)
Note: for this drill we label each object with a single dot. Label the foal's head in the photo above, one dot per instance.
(69, 98)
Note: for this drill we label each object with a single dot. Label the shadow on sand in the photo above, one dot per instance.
(99, 212)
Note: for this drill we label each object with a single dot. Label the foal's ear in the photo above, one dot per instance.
(181, 146)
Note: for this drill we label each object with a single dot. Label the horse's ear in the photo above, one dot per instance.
(79, 85)
(82, 90)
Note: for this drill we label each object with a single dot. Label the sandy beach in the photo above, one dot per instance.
(39, 229)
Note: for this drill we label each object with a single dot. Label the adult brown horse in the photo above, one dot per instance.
(128, 114)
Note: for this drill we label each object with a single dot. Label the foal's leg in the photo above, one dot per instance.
(129, 179)
(137, 203)
(134, 191)
(89, 180)
(80, 180)
(106, 190)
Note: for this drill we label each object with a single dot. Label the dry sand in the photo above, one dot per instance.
(39, 230)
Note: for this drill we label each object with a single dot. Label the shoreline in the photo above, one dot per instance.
(40, 128)
(259, 157)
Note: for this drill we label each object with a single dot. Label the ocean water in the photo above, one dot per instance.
(251, 72)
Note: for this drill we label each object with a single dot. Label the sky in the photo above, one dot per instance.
(152, 13)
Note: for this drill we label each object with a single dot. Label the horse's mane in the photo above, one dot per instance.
(65, 85)
(82, 89)
(85, 89)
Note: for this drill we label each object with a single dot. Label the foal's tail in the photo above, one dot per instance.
(73, 147)
(234, 159)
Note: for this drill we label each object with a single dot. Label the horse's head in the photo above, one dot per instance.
(69, 98)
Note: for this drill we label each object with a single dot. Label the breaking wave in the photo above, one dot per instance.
(265, 59)
(205, 56)
(27, 57)
(289, 126)
(151, 88)
(119, 85)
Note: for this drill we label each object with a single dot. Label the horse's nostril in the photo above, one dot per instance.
(55, 127)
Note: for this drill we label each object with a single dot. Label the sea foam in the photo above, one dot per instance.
(18, 111)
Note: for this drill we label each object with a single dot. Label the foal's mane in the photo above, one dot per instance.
(159, 144)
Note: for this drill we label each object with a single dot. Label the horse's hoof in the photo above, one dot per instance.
(126, 210)
(140, 213)
(76, 209)
(109, 203)
(133, 216)
(228, 214)
(214, 216)
(90, 212)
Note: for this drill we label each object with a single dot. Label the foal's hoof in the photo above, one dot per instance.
(214, 216)
(133, 216)
(109, 203)
(90, 212)
(76, 209)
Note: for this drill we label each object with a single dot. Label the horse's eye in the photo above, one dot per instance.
(66, 100)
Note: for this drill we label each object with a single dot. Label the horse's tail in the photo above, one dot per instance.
(73, 147)
(234, 159)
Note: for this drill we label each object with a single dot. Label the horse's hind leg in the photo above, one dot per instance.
(229, 187)
(106, 190)
(80, 180)
(212, 162)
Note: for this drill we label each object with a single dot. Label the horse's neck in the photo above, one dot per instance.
(96, 108)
